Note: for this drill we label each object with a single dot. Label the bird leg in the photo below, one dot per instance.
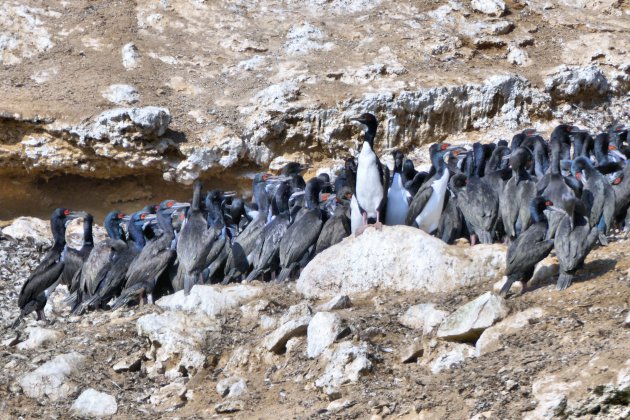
(378, 225)
(150, 298)
(473, 239)
(40, 315)
(361, 228)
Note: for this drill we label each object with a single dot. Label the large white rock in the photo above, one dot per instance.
(398, 258)
(423, 317)
(489, 7)
(29, 228)
(52, 378)
(211, 300)
(39, 337)
(470, 320)
(177, 340)
(92, 403)
(490, 339)
(322, 332)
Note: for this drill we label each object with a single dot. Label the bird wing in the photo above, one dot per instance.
(41, 281)
(301, 235)
(529, 248)
(418, 202)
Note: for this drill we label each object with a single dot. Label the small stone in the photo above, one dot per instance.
(411, 353)
(470, 320)
(337, 406)
(503, 27)
(626, 323)
(169, 397)
(92, 403)
(337, 302)
(277, 340)
(516, 288)
(39, 337)
(121, 94)
(128, 364)
(229, 406)
(488, 42)
(423, 317)
(322, 331)
(347, 363)
(51, 379)
(232, 387)
(130, 56)
(490, 339)
(489, 7)
(452, 355)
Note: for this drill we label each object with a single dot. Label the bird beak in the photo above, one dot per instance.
(228, 194)
(576, 129)
(177, 206)
(616, 153)
(506, 157)
(126, 218)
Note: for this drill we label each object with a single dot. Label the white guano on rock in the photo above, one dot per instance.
(322, 332)
(414, 261)
(92, 403)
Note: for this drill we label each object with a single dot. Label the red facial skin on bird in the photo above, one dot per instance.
(548, 203)
(612, 147)
(445, 146)
(578, 176)
(617, 181)
(66, 212)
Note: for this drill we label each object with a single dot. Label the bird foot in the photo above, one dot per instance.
(360, 230)
(378, 225)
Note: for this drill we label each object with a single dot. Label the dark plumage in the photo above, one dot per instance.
(479, 205)
(518, 194)
(529, 248)
(33, 294)
(338, 226)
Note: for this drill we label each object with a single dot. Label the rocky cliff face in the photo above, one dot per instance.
(168, 91)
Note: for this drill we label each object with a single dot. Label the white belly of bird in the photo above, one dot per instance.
(369, 188)
(429, 218)
(355, 215)
(397, 202)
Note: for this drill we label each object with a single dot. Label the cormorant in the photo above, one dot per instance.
(529, 248)
(33, 295)
(518, 194)
(338, 226)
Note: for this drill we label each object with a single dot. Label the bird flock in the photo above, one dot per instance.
(534, 194)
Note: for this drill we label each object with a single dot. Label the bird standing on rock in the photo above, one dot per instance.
(397, 196)
(372, 179)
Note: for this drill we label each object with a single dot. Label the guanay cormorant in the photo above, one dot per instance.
(33, 295)
(518, 194)
(529, 248)
(372, 179)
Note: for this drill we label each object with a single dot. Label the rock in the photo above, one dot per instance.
(29, 229)
(211, 300)
(502, 27)
(517, 56)
(337, 406)
(130, 56)
(51, 379)
(177, 340)
(346, 363)
(423, 317)
(551, 394)
(92, 403)
(430, 265)
(489, 7)
(411, 353)
(516, 288)
(169, 397)
(322, 332)
(277, 96)
(121, 94)
(469, 321)
(74, 233)
(277, 340)
(230, 406)
(337, 302)
(451, 355)
(577, 84)
(232, 387)
(124, 125)
(490, 339)
(128, 364)
(305, 38)
(627, 321)
(39, 337)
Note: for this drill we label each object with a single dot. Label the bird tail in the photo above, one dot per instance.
(17, 322)
(603, 241)
(484, 236)
(564, 281)
(507, 286)
(127, 295)
(189, 281)
(71, 299)
(286, 273)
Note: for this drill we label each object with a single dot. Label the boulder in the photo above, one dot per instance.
(451, 355)
(470, 320)
(92, 403)
(489, 7)
(322, 332)
(423, 317)
(490, 339)
(177, 340)
(414, 261)
(39, 337)
(577, 84)
(211, 300)
(31, 229)
(51, 379)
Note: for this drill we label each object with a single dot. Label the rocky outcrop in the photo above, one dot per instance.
(413, 261)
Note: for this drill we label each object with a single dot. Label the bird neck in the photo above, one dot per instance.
(88, 239)
(537, 215)
(58, 228)
(196, 198)
(136, 235)
(555, 160)
(369, 137)
(164, 221)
